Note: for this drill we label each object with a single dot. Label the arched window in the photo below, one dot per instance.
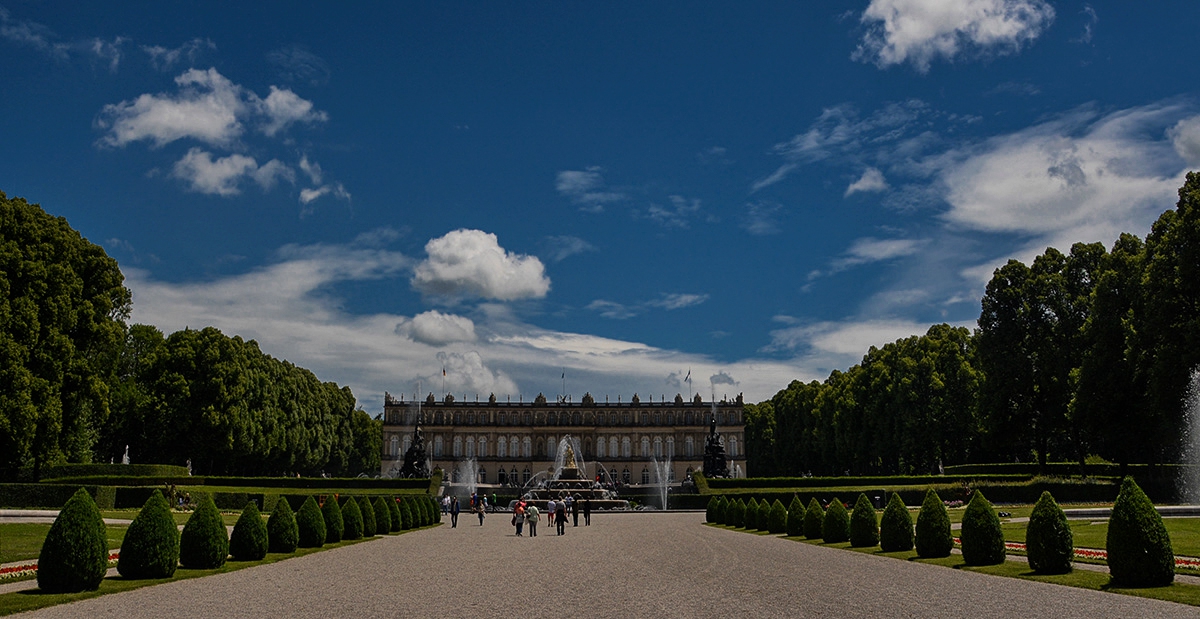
(645, 419)
(501, 419)
(512, 476)
(658, 444)
(394, 444)
(457, 447)
(733, 446)
(482, 447)
(600, 448)
(625, 476)
(689, 447)
(527, 449)
(541, 447)
(670, 446)
(576, 419)
(687, 419)
(612, 419)
(437, 446)
(626, 417)
(645, 452)
(645, 475)
(470, 447)
(612, 447)
(626, 448)
(551, 447)
(501, 476)
(407, 442)
(528, 418)
(612, 474)
(513, 450)
(482, 476)
(501, 448)
(525, 475)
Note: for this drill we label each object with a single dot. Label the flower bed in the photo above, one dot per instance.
(1094, 554)
(21, 572)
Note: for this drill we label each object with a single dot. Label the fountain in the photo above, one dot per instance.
(715, 464)
(569, 478)
(1190, 475)
(467, 476)
(662, 479)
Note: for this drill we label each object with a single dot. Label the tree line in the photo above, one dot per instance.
(80, 384)
(1087, 353)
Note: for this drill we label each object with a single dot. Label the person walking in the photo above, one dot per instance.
(519, 517)
(587, 512)
(532, 516)
(454, 509)
(575, 513)
(479, 510)
(550, 511)
(560, 518)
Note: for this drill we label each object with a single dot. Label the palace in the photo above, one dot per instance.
(513, 441)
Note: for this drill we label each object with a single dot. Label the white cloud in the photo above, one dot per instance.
(669, 302)
(842, 344)
(612, 309)
(867, 250)
(222, 176)
(871, 181)
(312, 169)
(437, 329)
(164, 59)
(467, 373)
(586, 188)
(721, 378)
(1185, 137)
(309, 195)
(472, 263)
(679, 301)
(208, 107)
(761, 218)
(677, 214)
(39, 37)
(564, 246)
(920, 31)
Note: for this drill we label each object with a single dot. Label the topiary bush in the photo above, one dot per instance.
(723, 513)
(1139, 549)
(394, 513)
(431, 508)
(383, 518)
(282, 532)
(764, 515)
(422, 517)
(353, 519)
(204, 543)
(74, 555)
(982, 537)
(835, 527)
(814, 516)
(896, 526)
(310, 524)
(248, 542)
(335, 526)
(933, 528)
(1049, 543)
(151, 545)
(777, 518)
(737, 512)
(406, 514)
(795, 517)
(368, 516)
(711, 509)
(864, 528)
(750, 519)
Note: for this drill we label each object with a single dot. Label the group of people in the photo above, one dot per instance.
(527, 513)
(478, 506)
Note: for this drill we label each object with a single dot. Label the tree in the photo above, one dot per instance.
(933, 528)
(334, 524)
(74, 555)
(310, 524)
(836, 526)
(896, 526)
(795, 517)
(864, 528)
(352, 516)
(1139, 548)
(248, 542)
(982, 537)
(150, 548)
(204, 543)
(1049, 543)
(814, 517)
(283, 534)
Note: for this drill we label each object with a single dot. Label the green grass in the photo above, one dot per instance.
(1184, 532)
(22, 542)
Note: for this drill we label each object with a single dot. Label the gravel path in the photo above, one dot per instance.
(662, 565)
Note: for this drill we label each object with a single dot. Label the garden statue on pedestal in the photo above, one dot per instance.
(714, 453)
(415, 463)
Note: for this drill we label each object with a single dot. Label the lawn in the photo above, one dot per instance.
(1184, 532)
(21, 542)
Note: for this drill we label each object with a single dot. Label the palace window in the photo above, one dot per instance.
(576, 419)
(527, 448)
(513, 450)
(600, 448)
(394, 445)
(528, 419)
(689, 447)
(645, 452)
(482, 476)
(658, 452)
(501, 476)
(482, 447)
(437, 446)
(645, 475)
(551, 445)
(612, 419)
(626, 418)
(470, 447)
(626, 448)
(407, 443)
(733, 446)
(612, 475)
(512, 476)
(457, 447)
(612, 446)
(502, 448)
(671, 446)
(500, 419)
(645, 419)
(525, 475)
(626, 477)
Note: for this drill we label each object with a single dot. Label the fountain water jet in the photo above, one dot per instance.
(662, 479)
(1190, 475)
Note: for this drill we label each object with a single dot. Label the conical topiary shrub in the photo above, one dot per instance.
(151, 545)
(795, 517)
(282, 532)
(310, 524)
(74, 554)
(204, 543)
(750, 520)
(739, 514)
(430, 510)
(335, 527)
(896, 526)
(383, 519)
(764, 515)
(933, 528)
(394, 512)
(352, 517)
(711, 508)
(1139, 549)
(368, 516)
(982, 537)
(420, 517)
(1049, 543)
(814, 517)
(248, 542)
(406, 514)
(724, 515)
(777, 518)
(836, 526)
(864, 528)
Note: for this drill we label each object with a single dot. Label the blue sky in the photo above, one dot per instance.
(623, 193)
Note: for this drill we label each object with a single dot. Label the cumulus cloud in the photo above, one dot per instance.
(471, 263)
(166, 59)
(467, 373)
(437, 329)
(586, 188)
(921, 31)
(1185, 137)
(207, 107)
(38, 37)
(871, 181)
(721, 378)
(223, 176)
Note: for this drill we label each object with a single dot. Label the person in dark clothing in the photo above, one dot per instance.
(587, 512)
(454, 512)
(575, 513)
(560, 518)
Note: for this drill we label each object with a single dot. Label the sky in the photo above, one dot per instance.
(565, 197)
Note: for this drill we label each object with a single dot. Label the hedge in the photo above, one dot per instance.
(150, 548)
(864, 527)
(114, 470)
(297, 483)
(74, 555)
(1167, 471)
(722, 484)
(54, 496)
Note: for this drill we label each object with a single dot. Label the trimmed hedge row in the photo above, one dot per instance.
(299, 483)
(879, 480)
(54, 496)
(122, 471)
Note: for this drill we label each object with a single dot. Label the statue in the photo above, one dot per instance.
(415, 463)
(714, 453)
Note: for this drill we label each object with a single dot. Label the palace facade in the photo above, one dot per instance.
(513, 441)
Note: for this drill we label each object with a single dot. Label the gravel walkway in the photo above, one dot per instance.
(661, 565)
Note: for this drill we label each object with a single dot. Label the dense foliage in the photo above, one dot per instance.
(1139, 549)
(383, 518)
(750, 519)
(394, 515)
(982, 537)
(896, 526)
(711, 508)
(933, 537)
(795, 517)
(204, 543)
(310, 524)
(283, 534)
(777, 518)
(352, 516)
(248, 542)
(368, 516)
(1049, 543)
(864, 527)
(406, 514)
(737, 514)
(150, 548)
(814, 517)
(835, 527)
(74, 555)
(1078, 353)
(334, 525)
